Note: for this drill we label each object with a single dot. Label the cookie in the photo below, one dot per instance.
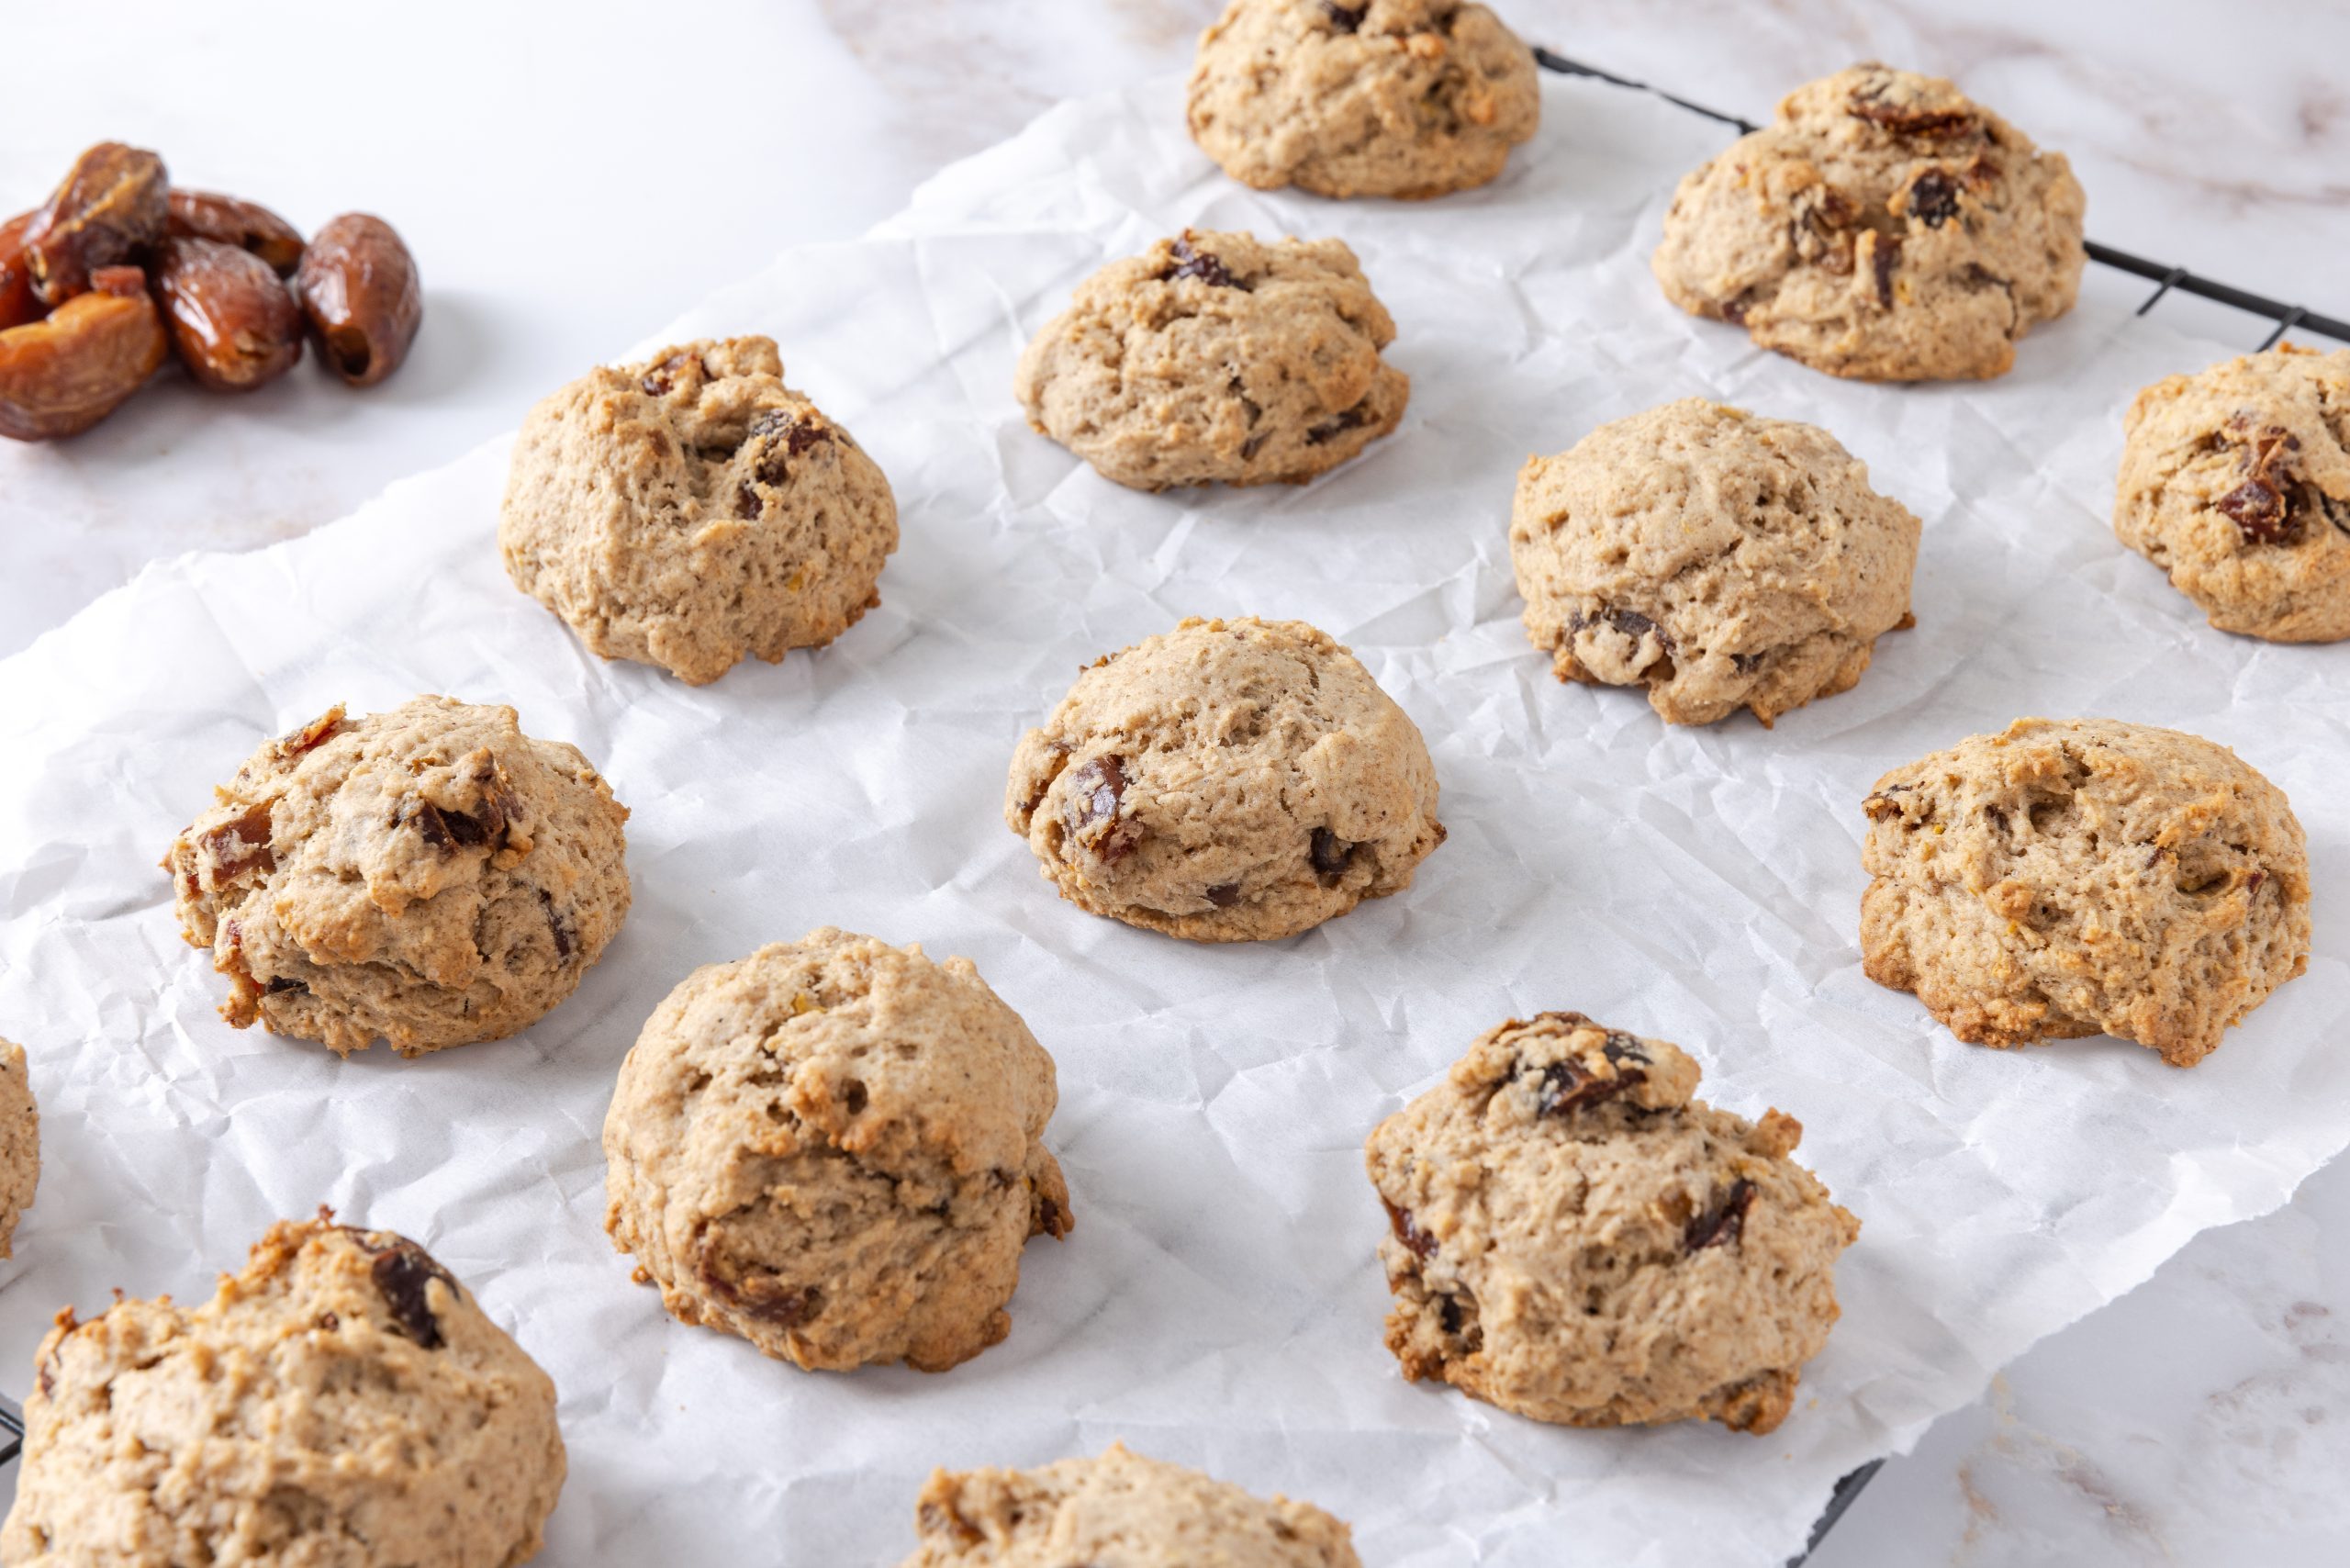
(691, 510)
(1226, 781)
(1884, 227)
(1717, 558)
(343, 1401)
(833, 1150)
(1407, 99)
(1575, 1239)
(1121, 1510)
(2236, 482)
(430, 875)
(2085, 877)
(20, 1143)
(1215, 358)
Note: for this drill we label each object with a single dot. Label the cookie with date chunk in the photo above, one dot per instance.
(342, 1400)
(430, 876)
(2236, 482)
(19, 1142)
(1226, 781)
(692, 510)
(1883, 226)
(834, 1149)
(1121, 1510)
(1216, 358)
(1717, 559)
(1405, 98)
(1573, 1238)
(2085, 877)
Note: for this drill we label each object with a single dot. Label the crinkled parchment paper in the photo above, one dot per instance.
(1219, 1302)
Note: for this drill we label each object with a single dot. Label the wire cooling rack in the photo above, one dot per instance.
(2166, 279)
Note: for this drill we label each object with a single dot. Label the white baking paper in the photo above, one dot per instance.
(1219, 1303)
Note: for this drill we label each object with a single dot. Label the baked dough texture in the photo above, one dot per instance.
(342, 1403)
(1408, 98)
(2085, 877)
(1226, 781)
(2236, 482)
(20, 1143)
(1717, 558)
(1216, 358)
(430, 875)
(1573, 1238)
(833, 1149)
(1884, 227)
(691, 510)
(1121, 1510)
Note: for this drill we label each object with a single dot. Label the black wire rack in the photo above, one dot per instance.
(2167, 278)
(12, 1431)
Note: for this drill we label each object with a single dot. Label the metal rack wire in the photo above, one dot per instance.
(2167, 278)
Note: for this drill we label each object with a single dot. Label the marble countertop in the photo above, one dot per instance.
(573, 178)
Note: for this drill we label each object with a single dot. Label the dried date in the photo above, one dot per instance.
(233, 322)
(359, 289)
(64, 373)
(18, 303)
(225, 220)
(111, 207)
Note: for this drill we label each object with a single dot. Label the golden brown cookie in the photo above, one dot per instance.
(1573, 1238)
(1883, 226)
(1216, 358)
(1408, 98)
(1227, 781)
(833, 1149)
(2085, 877)
(692, 510)
(342, 1403)
(2236, 482)
(1121, 1510)
(430, 875)
(1720, 560)
(20, 1143)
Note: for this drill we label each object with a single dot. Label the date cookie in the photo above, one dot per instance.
(20, 1143)
(1575, 1239)
(1884, 227)
(692, 510)
(1405, 98)
(1121, 1510)
(430, 875)
(833, 1148)
(2236, 482)
(1717, 558)
(1215, 358)
(1226, 781)
(2085, 877)
(342, 1400)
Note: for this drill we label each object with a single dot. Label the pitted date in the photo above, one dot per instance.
(111, 207)
(18, 303)
(247, 225)
(233, 322)
(64, 373)
(359, 289)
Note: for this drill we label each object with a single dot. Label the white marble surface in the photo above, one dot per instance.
(571, 177)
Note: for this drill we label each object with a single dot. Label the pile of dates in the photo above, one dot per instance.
(118, 269)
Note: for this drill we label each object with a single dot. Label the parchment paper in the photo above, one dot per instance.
(1219, 1303)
